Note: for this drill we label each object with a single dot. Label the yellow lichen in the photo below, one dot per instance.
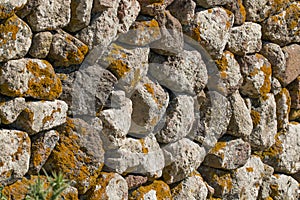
(119, 68)
(150, 89)
(144, 148)
(242, 10)
(9, 28)
(275, 150)
(249, 169)
(255, 117)
(266, 87)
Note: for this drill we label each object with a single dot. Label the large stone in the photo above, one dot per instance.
(127, 13)
(102, 5)
(283, 28)
(66, 50)
(15, 39)
(29, 78)
(211, 28)
(181, 159)
(41, 116)
(184, 73)
(152, 8)
(294, 89)
(41, 44)
(14, 155)
(187, 10)
(178, 121)
(212, 3)
(10, 108)
(292, 70)
(9, 7)
(238, 9)
(283, 105)
(245, 39)
(50, 15)
(78, 154)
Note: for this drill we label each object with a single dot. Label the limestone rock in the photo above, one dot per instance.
(179, 119)
(245, 39)
(78, 154)
(152, 8)
(212, 3)
(15, 39)
(26, 10)
(184, 73)
(294, 89)
(283, 104)
(150, 102)
(41, 44)
(292, 70)
(181, 159)
(275, 86)
(8, 8)
(50, 15)
(238, 9)
(187, 10)
(134, 181)
(10, 108)
(42, 115)
(102, 5)
(29, 78)
(14, 155)
(127, 14)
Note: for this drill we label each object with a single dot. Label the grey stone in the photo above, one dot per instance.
(294, 92)
(10, 108)
(212, 3)
(152, 8)
(134, 181)
(102, 5)
(275, 86)
(238, 9)
(41, 44)
(283, 105)
(292, 71)
(187, 10)
(127, 14)
(8, 8)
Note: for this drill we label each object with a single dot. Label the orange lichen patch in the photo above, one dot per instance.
(292, 16)
(255, 117)
(50, 117)
(249, 169)
(222, 63)
(118, 68)
(223, 75)
(144, 148)
(218, 147)
(275, 150)
(6, 12)
(22, 139)
(10, 28)
(242, 10)
(39, 155)
(210, 10)
(161, 188)
(266, 87)
(224, 181)
(294, 114)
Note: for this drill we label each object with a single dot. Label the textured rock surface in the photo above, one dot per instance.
(134, 181)
(238, 9)
(152, 8)
(41, 44)
(283, 105)
(294, 89)
(127, 13)
(187, 10)
(8, 8)
(10, 108)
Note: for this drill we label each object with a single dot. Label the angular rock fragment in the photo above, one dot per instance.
(102, 5)
(283, 105)
(29, 78)
(50, 15)
(245, 39)
(294, 89)
(212, 3)
(292, 70)
(275, 86)
(8, 8)
(41, 44)
(238, 9)
(127, 13)
(15, 38)
(10, 108)
(14, 155)
(152, 8)
(134, 181)
(187, 10)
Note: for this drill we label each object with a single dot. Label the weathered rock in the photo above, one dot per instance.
(211, 28)
(171, 41)
(139, 156)
(78, 154)
(185, 73)
(181, 159)
(241, 122)
(263, 114)
(275, 86)
(294, 89)
(8, 8)
(41, 147)
(15, 39)
(134, 181)
(102, 5)
(284, 27)
(156, 190)
(294, 115)
(41, 116)
(152, 8)
(10, 108)
(14, 155)
(238, 9)
(192, 187)
(127, 13)
(110, 186)
(283, 104)
(70, 193)
(150, 102)
(297, 176)
(80, 15)
(50, 15)
(41, 44)
(228, 77)
(245, 39)
(187, 10)
(228, 154)
(257, 72)
(179, 119)
(284, 154)
(212, 3)
(27, 8)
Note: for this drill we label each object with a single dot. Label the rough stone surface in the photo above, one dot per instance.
(238, 9)
(152, 8)
(50, 15)
(41, 44)
(29, 78)
(14, 155)
(187, 10)
(127, 13)
(102, 5)
(10, 108)
(283, 105)
(134, 181)
(211, 3)
(275, 86)
(245, 39)
(15, 38)
(8, 8)
(294, 89)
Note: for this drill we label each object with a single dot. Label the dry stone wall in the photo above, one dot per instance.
(151, 99)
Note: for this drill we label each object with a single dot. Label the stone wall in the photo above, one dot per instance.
(151, 99)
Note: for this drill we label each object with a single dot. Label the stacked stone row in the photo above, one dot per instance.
(143, 99)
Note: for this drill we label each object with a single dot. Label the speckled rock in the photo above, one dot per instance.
(129, 65)
(66, 50)
(284, 154)
(156, 190)
(50, 15)
(228, 154)
(238, 9)
(257, 72)
(14, 155)
(149, 102)
(171, 41)
(294, 89)
(10, 108)
(41, 44)
(16, 39)
(138, 156)
(284, 27)
(179, 119)
(152, 8)
(42, 115)
(70, 193)
(110, 186)
(78, 154)
(263, 113)
(127, 13)
(212, 3)
(211, 28)
(184, 73)
(29, 78)
(8, 8)
(241, 122)
(102, 5)
(134, 181)
(245, 39)
(283, 105)
(192, 187)
(181, 159)
(41, 147)
(80, 15)
(187, 10)
(228, 77)
(275, 86)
